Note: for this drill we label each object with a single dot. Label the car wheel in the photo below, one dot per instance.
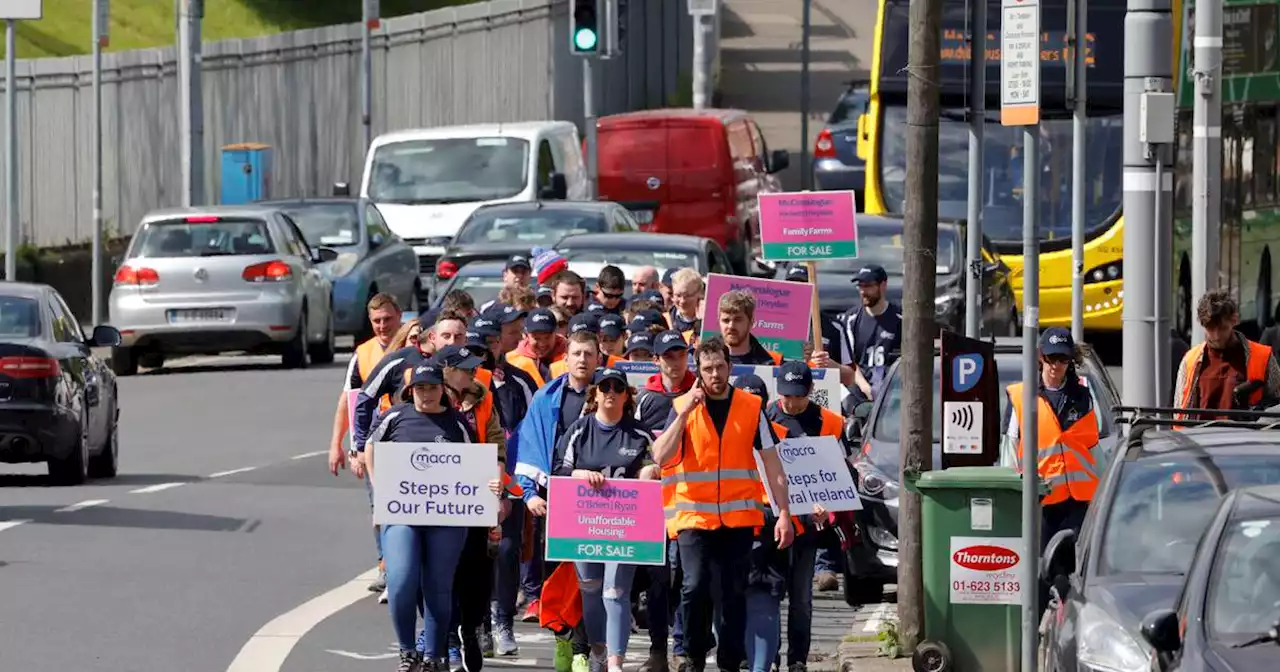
(322, 352)
(107, 463)
(74, 469)
(295, 351)
(124, 361)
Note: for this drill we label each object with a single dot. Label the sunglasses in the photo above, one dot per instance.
(612, 386)
(1057, 359)
(611, 295)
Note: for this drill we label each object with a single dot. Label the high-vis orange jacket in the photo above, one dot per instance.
(1068, 460)
(368, 354)
(796, 525)
(714, 478)
(530, 366)
(1257, 358)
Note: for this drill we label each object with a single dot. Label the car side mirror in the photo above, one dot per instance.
(556, 190)
(779, 159)
(856, 425)
(1160, 629)
(105, 336)
(376, 241)
(322, 255)
(1059, 556)
(864, 140)
(341, 189)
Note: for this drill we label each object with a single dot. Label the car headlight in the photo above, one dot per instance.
(1105, 272)
(343, 264)
(875, 485)
(882, 538)
(946, 303)
(1105, 646)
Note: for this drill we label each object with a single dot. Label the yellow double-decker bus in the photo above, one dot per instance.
(882, 145)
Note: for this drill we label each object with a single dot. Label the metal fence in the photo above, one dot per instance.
(505, 60)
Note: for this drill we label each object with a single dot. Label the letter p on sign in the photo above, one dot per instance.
(966, 371)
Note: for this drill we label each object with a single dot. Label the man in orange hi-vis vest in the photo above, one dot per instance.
(1210, 371)
(708, 455)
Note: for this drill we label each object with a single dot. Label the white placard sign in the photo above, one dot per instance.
(962, 427)
(816, 474)
(1020, 62)
(22, 10)
(986, 570)
(442, 484)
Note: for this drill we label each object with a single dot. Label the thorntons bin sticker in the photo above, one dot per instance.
(986, 570)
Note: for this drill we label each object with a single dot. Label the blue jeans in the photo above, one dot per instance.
(420, 565)
(377, 532)
(800, 594)
(677, 579)
(506, 567)
(830, 558)
(763, 629)
(533, 571)
(606, 603)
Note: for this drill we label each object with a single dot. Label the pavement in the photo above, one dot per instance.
(223, 545)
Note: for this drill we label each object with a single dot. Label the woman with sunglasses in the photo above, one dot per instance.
(606, 443)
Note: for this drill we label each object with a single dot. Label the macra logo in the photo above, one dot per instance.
(985, 558)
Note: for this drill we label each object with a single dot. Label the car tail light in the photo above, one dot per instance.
(203, 219)
(142, 277)
(29, 367)
(825, 147)
(268, 271)
(446, 269)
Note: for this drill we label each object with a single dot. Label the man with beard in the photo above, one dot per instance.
(871, 338)
(1211, 371)
(737, 313)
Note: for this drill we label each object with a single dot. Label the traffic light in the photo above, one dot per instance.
(584, 28)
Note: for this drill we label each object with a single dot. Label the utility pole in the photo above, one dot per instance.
(920, 238)
(190, 15)
(806, 173)
(977, 119)
(101, 23)
(369, 21)
(589, 120)
(1148, 69)
(699, 10)
(1078, 178)
(1206, 170)
(11, 150)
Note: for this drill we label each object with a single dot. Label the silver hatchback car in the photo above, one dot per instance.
(221, 279)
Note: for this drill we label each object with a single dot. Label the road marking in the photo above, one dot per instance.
(270, 646)
(877, 617)
(155, 488)
(8, 524)
(311, 454)
(81, 505)
(362, 656)
(229, 472)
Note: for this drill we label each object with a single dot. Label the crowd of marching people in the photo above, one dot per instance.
(534, 373)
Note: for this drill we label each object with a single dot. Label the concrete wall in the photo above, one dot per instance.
(504, 60)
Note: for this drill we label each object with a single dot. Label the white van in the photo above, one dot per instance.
(426, 182)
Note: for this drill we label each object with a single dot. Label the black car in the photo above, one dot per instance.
(880, 243)
(1139, 539)
(1230, 602)
(589, 252)
(503, 229)
(58, 401)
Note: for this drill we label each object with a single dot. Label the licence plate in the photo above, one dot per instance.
(643, 216)
(201, 315)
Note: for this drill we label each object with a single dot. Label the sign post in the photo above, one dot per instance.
(12, 12)
(1020, 106)
(101, 28)
(970, 402)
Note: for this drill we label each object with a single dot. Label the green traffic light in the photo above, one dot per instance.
(585, 39)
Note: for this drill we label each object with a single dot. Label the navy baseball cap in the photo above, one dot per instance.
(609, 373)
(873, 273)
(426, 373)
(476, 339)
(584, 322)
(640, 341)
(458, 357)
(667, 276)
(595, 308)
(654, 295)
(798, 274)
(1057, 341)
(794, 379)
(519, 261)
(503, 313)
(669, 340)
(753, 384)
(541, 321)
(428, 318)
(610, 325)
(485, 325)
(544, 292)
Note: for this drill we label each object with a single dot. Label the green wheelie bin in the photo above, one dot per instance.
(972, 567)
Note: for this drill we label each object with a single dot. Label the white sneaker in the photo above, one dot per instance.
(382, 599)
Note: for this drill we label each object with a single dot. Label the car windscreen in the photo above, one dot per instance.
(1244, 588)
(449, 170)
(659, 259)
(883, 247)
(19, 317)
(327, 224)
(202, 237)
(527, 229)
(1163, 503)
(889, 419)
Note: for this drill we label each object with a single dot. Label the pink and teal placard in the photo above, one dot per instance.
(620, 522)
(782, 311)
(808, 226)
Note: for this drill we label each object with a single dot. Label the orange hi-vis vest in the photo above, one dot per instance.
(528, 365)
(1259, 357)
(561, 367)
(715, 482)
(832, 425)
(1068, 460)
(368, 354)
(484, 377)
(796, 525)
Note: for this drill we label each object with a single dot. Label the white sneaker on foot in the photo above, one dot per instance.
(382, 599)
